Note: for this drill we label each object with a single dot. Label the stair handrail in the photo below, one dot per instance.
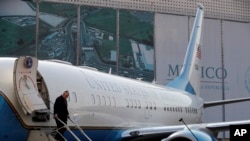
(79, 128)
(67, 127)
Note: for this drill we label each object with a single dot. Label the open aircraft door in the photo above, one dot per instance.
(25, 83)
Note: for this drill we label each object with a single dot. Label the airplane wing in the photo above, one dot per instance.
(223, 126)
(207, 131)
(147, 131)
(221, 102)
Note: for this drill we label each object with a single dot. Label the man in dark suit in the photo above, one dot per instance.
(61, 112)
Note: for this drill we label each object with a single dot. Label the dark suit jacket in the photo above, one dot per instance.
(61, 108)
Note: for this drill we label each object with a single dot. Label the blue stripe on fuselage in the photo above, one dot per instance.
(97, 135)
(12, 130)
(10, 127)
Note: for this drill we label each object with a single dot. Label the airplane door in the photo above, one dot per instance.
(25, 83)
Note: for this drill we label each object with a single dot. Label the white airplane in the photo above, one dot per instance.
(107, 107)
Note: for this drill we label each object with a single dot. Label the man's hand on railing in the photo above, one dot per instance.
(55, 116)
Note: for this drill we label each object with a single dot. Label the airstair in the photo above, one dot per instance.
(70, 131)
(48, 134)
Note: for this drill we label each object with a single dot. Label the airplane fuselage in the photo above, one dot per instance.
(101, 101)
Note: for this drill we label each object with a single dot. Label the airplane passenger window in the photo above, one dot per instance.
(114, 101)
(135, 103)
(131, 103)
(154, 106)
(127, 102)
(139, 104)
(109, 101)
(103, 100)
(98, 100)
(150, 104)
(93, 99)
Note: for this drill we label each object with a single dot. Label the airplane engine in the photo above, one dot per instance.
(193, 135)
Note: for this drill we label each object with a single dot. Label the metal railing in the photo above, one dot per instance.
(70, 131)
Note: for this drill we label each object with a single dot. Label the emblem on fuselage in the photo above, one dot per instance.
(28, 62)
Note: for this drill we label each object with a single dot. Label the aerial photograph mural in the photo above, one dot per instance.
(57, 38)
